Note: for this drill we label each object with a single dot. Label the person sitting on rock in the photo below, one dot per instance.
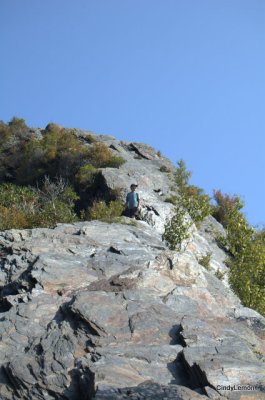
(132, 201)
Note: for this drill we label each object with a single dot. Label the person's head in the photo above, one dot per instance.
(133, 187)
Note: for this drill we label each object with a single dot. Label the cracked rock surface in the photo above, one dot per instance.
(105, 311)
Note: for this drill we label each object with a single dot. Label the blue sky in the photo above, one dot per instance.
(185, 76)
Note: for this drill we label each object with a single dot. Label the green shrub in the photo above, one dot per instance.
(18, 125)
(58, 153)
(246, 247)
(27, 160)
(64, 153)
(196, 203)
(247, 272)
(51, 214)
(13, 138)
(25, 207)
(12, 217)
(115, 162)
(100, 156)
(17, 205)
(5, 134)
(86, 176)
(31, 167)
(205, 261)
(102, 211)
(57, 190)
(191, 197)
(52, 127)
(225, 206)
(172, 199)
(219, 274)
(22, 198)
(238, 232)
(176, 229)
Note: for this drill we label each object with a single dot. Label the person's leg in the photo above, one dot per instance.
(132, 212)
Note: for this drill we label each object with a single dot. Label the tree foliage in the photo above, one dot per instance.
(100, 156)
(86, 176)
(44, 177)
(106, 212)
(247, 251)
(57, 153)
(13, 138)
(26, 207)
(177, 229)
(192, 198)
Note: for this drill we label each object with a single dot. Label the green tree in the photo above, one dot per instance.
(18, 125)
(246, 247)
(182, 175)
(247, 273)
(177, 229)
(191, 197)
(13, 138)
(238, 231)
(58, 153)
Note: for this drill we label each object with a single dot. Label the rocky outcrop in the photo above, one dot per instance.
(106, 311)
(96, 310)
(143, 166)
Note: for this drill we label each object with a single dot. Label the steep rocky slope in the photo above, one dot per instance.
(106, 311)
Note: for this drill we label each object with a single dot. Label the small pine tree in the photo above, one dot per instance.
(182, 175)
(176, 229)
(191, 197)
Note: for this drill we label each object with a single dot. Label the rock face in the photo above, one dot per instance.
(143, 166)
(94, 310)
(97, 309)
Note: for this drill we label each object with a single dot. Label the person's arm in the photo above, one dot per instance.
(138, 198)
(127, 201)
